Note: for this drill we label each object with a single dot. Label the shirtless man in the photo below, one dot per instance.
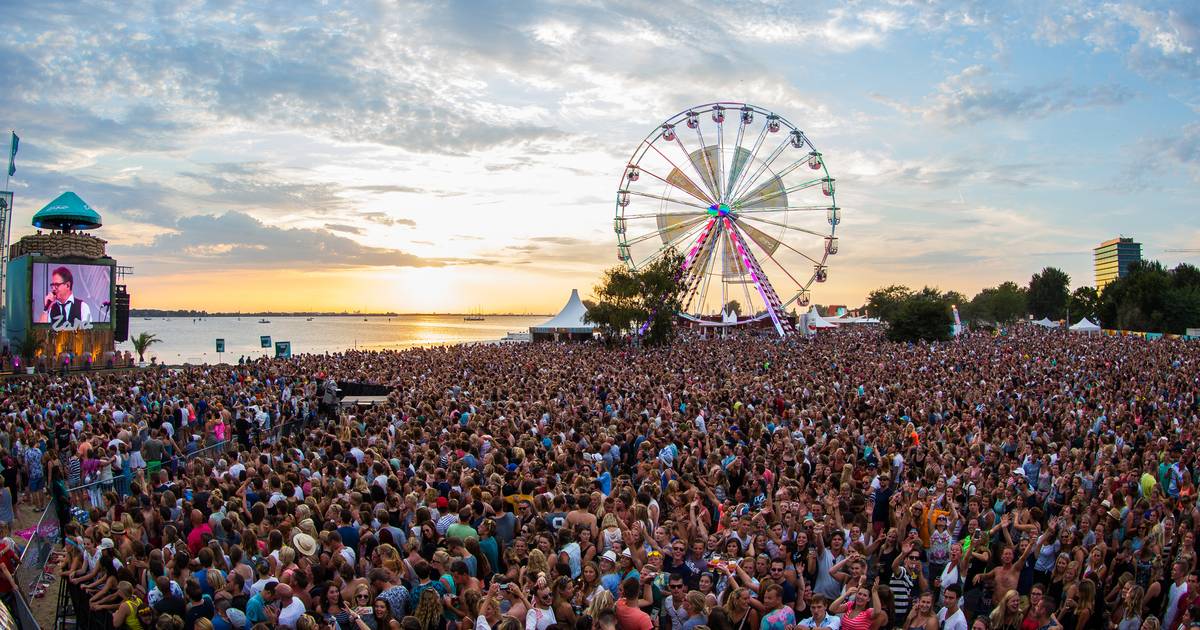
(1006, 576)
(582, 515)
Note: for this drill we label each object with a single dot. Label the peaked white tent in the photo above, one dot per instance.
(1046, 323)
(1085, 325)
(729, 317)
(568, 324)
(813, 321)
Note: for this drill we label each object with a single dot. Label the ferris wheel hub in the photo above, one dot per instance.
(719, 210)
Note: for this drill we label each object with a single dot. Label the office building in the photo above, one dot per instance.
(1114, 258)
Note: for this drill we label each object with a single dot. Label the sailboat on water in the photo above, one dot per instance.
(477, 316)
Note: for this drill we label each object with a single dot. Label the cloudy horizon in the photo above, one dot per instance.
(423, 157)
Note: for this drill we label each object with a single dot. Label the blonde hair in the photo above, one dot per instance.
(216, 581)
(537, 562)
(999, 613)
(603, 602)
(429, 609)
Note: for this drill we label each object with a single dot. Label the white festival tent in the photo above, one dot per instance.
(1046, 323)
(567, 324)
(813, 319)
(1085, 325)
(848, 319)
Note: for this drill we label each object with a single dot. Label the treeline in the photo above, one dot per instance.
(1150, 298)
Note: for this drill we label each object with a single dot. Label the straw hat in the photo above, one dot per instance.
(117, 527)
(305, 544)
(1114, 514)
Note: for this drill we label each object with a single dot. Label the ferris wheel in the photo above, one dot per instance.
(745, 197)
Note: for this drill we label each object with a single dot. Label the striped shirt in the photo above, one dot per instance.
(902, 587)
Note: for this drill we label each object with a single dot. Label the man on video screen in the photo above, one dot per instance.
(61, 308)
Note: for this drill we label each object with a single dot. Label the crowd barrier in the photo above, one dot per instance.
(72, 600)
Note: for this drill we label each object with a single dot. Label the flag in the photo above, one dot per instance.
(12, 155)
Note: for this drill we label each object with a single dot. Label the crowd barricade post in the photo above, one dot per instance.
(43, 539)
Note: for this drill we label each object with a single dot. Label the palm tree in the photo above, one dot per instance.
(142, 342)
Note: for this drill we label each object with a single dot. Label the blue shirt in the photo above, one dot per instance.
(256, 610)
(605, 480)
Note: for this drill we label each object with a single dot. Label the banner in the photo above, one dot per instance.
(12, 155)
(283, 349)
(220, 345)
(265, 341)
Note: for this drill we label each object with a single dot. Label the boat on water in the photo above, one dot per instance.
(308, 320)
(477, 316)
(264, 321)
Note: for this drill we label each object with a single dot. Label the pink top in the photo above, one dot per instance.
(858, 621)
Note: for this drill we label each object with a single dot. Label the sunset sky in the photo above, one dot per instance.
(454, 156)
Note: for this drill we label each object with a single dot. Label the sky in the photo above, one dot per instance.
(454, 156)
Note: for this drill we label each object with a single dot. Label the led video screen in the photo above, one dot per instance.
(70, 296)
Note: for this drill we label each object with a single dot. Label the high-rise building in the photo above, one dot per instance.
(1114, 258)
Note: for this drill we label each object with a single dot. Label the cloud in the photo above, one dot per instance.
(383, 218)
(236, 239)
(390, 188)
(969, 97)
(1180, 150)
(349, 229)
(254, 185)
(1155, 41)
(554, 251)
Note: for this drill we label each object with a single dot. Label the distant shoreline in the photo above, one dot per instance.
(142, 312)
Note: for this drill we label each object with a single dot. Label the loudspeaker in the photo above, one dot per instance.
(121, 314)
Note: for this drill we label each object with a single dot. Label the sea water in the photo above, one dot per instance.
(188, 340)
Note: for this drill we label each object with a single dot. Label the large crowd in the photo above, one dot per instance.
(1032, 480)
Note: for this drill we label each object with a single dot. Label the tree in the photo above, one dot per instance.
(885, 302)
(733, 306)
(1135, 301)
(1084, 302)
(1151, 299)
(924, 316)
(1048, 293)
(633, 300)
(142, 342)
(1002, 304)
